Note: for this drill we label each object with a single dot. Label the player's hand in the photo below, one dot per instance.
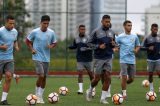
(151, 48)
(49, 46)
(33, 51)
(17, 49)
(102, 46)
(116, 49)
(4, 47)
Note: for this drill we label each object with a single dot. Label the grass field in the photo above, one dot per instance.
(136, 93)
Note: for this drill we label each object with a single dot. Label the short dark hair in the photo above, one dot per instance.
(45, 18)
(9, 17)
(106, 17)
(154, 25)
(81, 26)
(126, 21)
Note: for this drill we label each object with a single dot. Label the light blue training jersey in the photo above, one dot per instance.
(127, 44)
(41, 40)
(7, 37)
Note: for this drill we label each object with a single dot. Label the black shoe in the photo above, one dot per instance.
(4, 103)
(80, 93)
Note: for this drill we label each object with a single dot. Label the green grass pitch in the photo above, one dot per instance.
(136, 93)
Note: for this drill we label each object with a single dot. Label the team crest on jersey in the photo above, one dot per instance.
(110, 34)
(132, 40)
(84, 40)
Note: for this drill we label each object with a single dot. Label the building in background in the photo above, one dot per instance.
(152, 16)
(87, 12)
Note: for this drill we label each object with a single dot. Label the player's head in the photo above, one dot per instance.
(9, 22)
(82, 30)
(106, 21)
(127, 26)
(45, 19)
(154, 29)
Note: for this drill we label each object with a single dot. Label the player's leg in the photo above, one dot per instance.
(157, 68)
(16, 77)
(80, 68)
(107, 67)
(88, 66)
(124, 74)
(131, 73)
(95, 80)
(40, 80)
(1, 75)
(151, 67)
(9, 70)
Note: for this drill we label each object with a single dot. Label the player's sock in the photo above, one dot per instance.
(41, 92)
(37, 90)
(109, 89)
(4, 96)
(0, 82)
(124, 93)
(103, 95)
(151, 86)
(80, 87)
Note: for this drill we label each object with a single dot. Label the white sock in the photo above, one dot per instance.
(41, 92)
(4, 96)
(103, 95)
(109, 89)
(124, 92)
(151, 86)
(38, 93)
(0, 82)
(80, 87)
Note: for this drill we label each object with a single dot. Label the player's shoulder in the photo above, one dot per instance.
(121, 35)
(50, 30)
(14, 30)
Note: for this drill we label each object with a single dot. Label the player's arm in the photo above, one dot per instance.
(53, 41)
(3, 47)
(137, 44)
(30, 46)
(73, 45)
(16, 46)
(144, 45)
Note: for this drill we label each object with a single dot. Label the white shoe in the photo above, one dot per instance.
(88, 95)
(80, 92)
(40, 101)
(159, 89)
(108, 95)
(104, 101)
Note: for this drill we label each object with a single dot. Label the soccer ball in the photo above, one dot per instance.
(117, 99)
(145, 83)
(63, 90)
(31, 99)
(53, 97)
(151, 96)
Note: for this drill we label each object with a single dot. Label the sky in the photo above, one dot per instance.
(138, 6)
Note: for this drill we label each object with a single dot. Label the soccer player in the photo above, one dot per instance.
(102, 41)
(128, 45)
(84, 56)
(151, 44)
(40, 41)
(8, 41)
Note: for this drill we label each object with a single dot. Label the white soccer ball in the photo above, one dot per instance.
(151, 96)
(53, 97)
(63, 90)
(117, 99)
(31, 99)
(145, 83)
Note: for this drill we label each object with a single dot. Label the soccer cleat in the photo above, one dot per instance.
(4, 103)
(40, 101)
(104, 101)
(88, 95)
(79, 92)
(125, 97)
(17, 78)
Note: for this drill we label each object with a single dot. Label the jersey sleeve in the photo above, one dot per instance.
(92, 41)
(54, 38)
(31, 36)
(73, 45)
(137, 43)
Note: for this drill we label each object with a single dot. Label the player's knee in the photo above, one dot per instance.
(8, 75)
(130, 80)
